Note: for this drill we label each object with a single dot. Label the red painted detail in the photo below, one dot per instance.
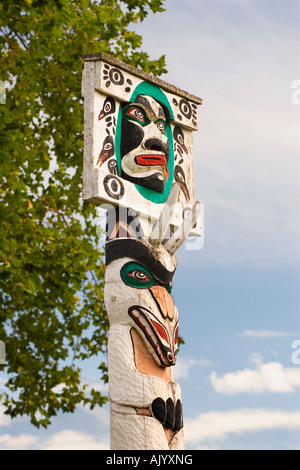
(160, 330)
(176, 335)
(101, 160)
(153, 160)
(134, 277)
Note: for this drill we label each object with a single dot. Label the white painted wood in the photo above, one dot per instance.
(129, 388)
(184, 231)
(161, 226)
(99, 82)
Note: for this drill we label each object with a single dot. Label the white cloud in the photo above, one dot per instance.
(270, 377)
(64, 440)
(263, 333)
(184, 364)
(23, 441)
(215, 426)
(101, 414)
(256, 359)
(72, 440)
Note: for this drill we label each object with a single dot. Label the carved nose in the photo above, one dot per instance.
(154, 144)
(164, 300)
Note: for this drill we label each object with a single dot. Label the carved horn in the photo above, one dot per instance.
(184, 230)
(161, 226)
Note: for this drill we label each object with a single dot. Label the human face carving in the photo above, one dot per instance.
(145, 147)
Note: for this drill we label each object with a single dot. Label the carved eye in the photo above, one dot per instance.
(136, 114)
(139, 275)
(107, 107)
(180, 177)
(107, 146)
(161, 126)
(136, 275)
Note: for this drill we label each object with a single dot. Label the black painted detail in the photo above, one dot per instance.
(113, 186)
(167, 413)
(185, 108)
(113, 167)
(178, 416)
(169, 423)
(116, 76)
(154, 144)
(138, 251)
(109, 107)
(179, 177)
(107, 151)
(151, 181)
(132, 137)
(159, 409)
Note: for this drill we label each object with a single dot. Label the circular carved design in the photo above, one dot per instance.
(113, 186)
(116, 76)
(185, 108)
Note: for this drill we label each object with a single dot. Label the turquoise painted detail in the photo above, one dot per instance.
(145, 88)
(136, 275)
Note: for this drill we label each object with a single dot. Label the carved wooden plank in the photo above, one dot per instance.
(140, 180)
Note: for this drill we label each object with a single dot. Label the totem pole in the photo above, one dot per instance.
(138, 161)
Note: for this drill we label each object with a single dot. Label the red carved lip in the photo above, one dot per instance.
(153, 160)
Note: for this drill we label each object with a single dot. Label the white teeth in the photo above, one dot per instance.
(149, 331)
(143, 321)
(154, 340)
(136, 313)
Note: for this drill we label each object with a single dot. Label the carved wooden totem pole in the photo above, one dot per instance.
(138, 161)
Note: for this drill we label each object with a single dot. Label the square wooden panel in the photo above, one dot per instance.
(109, 85)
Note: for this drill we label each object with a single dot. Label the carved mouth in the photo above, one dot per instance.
(154, 159)
(156, 334)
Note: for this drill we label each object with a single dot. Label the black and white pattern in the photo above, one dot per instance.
(114, 76)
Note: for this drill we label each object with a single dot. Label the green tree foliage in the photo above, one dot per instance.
(52, 314)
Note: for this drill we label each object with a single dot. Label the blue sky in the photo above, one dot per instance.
(238, 297)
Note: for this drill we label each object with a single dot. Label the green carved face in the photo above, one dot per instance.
(148, 125)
